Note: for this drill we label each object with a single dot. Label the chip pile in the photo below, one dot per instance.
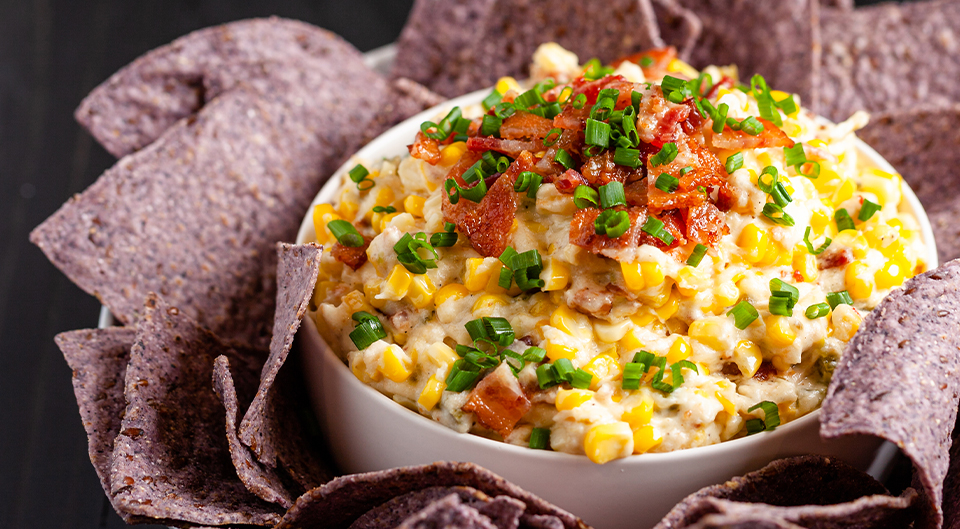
(225, 135)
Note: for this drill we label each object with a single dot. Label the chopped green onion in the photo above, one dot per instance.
(768, 184)
(514, 361)
(754, 426)
(564, 369)
(632, 373)
(408, 253)
(581, 379)
(635, 98)
(345, 233)
(552, 137)
(844, 222)
(806, 241)
(817, 311)
(528, 99)
(475, 329)
(547, 376)
(443, 240)
(384, 209)
(491, 100)
(794, 155)
(814, 171)
(734, 162)
(779, 286)
(368, 330)
(775, 214)
(721, 118)
(657, 382)
(771, 414)
(359, 176)
(499, 330)
(667, 154)
(743, 314)
(627, 157)
(462, 376)
(867, 210)
(698, 252)
(751, 126)
(444, 128)
(449, 227)
(788, 105)
(585, 196)
(646, 61)
(839, 298)
(534, 354)
(579, 101)
(612, 223)
(686, 170)
(506, 278)
(490, 126)
(612, 195)
(780, 305)
(597, 133)
(474, 194)
(563, 158)
(765, 102)
(667, 183)
(654, 226)
(507, 257)
(539, 438)
(602, 109)
(780, 195)
(595, 70)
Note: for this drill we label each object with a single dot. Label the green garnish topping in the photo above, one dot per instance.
(743, 314)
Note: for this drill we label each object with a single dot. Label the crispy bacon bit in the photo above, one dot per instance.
(499, 401)
(736, 140)
(705, 224)
(426, 149)
(584, 234)
(511, 148)
(350, 256)
(765, 371)
(661, 58)
(835, 258)
(724, 82)
(601, 170)
(456, 172)
(488, 223)
(525, 126)
(591, 301)
(568, 181)
(636, 193)
(707, 173)
(659, 120)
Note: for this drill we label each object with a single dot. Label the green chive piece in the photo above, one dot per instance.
(657, 382)
(809, 245)
(443, 240)
(597, 133)
(539, 438)
(368, 330)
(491, 100)
(627, 157)
(612, 195)
(632, 373)
(654, 226)
(507, 257)
(768, 179)
(581, 379)
(743, 314)
(612, 223)
(345, 233)
(646, 61)
(506, 278)
(751, 126)
(844, 222)
(780, 195)
(794, 155)
(734, 162)
(546, 376)
(817, 311)
(788, 105)
(775, 214)
(585, 196)
(839, 298)
(779, 286)
(867, 210)
(667, 154)
(358, 173)
(698, 252)
(552, 137)
(475, 329)
(534, 354)
(384, 209)
(563, 158)
(499, 330)
(667, 183)
(754, 426)
(490, 126)
(771, 414)
(780, 305)
(635, 98)
(462, 376)
(564, 369)
(721, 118)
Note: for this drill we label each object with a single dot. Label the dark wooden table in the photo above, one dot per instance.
(52, 53)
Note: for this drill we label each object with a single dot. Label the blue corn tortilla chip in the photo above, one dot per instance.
(265, 425)
(263, 482)
(503, 512)
(779, 40)
(899, 378)
(679, 26)
(811, 489)
(888, 57)
(171, 460)
(448, 513)
(343, 500)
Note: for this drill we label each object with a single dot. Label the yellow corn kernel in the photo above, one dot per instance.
(451, 292)
(892, 274)
(356, 301)
(322, 215)
(820, 219)
(680, 350)
(400, 338)
(487, 304)
(645, 439)
(859, 283)
(690, 280)
(844, 192)
(754, 242)
(451, 153)
(568, 399)
(394, 364)
(359, 369)
(572, 322)
(414, 205)
(631, 341)
(652, 273)
(611, 332)
(779, 331)
(764, 159)
(421, 291)
(708, 332)
(643, 318)
(668, 309)
(505, 84)
(606, 442)
(748, 357)
(857, 243)
(479, 271)
(726, 294)
(774, 254)
(556, 351)
(632, 276)
(348, 208)
(728, 406)
(397, 283)
(676, 65)
(431, 393)
(602, 366)
(846, 322)
(640, 414)
(555, 276)
(371, 291)
(822, 144)
(806, 264)
(886, 186)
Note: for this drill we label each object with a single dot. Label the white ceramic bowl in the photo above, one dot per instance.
(367, 431)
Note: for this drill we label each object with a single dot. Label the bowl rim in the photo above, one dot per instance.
(406, 129)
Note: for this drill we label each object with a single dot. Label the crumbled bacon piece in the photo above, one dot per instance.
(488, 224)
(658, 120)
(525, 126)
(601, 169)
(456, 172)
(660, 57)
(735, 140)
(426, 149)
(354, 257)
(511, 148)
(835, 258)
(704, 224)
(568, 181)
(498, 401)
(584, 234)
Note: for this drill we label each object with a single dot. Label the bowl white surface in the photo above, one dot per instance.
(368, 431)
